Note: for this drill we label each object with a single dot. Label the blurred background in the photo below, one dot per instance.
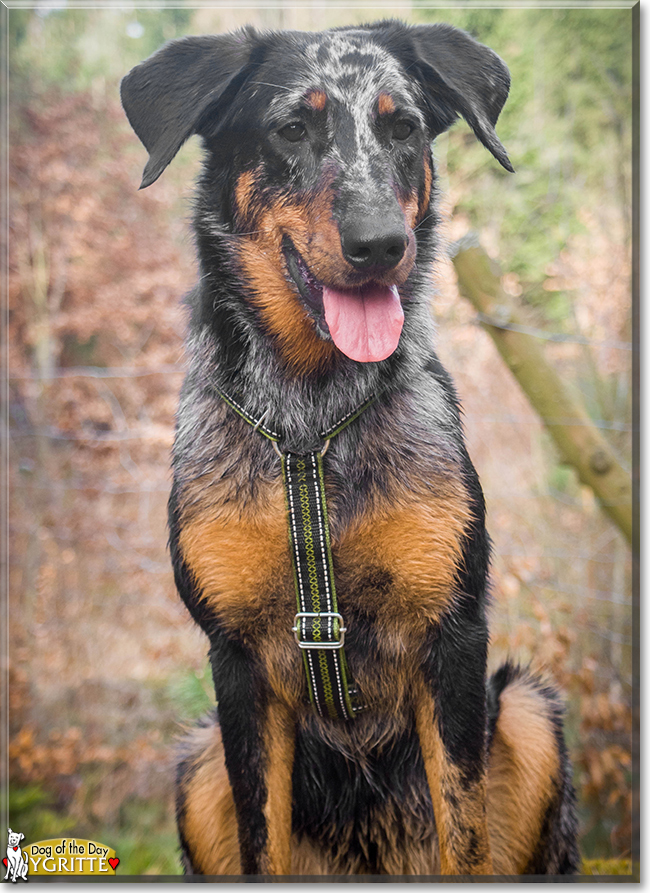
(105, 666)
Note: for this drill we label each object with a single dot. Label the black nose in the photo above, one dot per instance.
(373, 245)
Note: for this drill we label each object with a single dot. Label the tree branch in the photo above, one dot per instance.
(579, 442)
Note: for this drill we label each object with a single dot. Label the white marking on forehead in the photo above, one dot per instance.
(369, 79)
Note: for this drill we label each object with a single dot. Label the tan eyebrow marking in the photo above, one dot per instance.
(316, 99)
(385, 104)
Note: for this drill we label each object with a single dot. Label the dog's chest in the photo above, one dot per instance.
(394, 562)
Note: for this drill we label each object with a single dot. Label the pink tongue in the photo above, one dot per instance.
(365, 324)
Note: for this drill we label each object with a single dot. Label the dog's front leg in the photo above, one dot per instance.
(451, 724)
(258, 738)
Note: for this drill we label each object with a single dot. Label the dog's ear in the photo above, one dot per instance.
(462, 77)
(22, 836)
(167, 97)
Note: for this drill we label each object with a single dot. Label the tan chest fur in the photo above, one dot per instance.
(240, 558)
(394, 567)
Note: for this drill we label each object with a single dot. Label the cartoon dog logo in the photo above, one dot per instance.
(15, 861)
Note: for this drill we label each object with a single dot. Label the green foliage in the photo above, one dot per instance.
(566, 125)
(31, 809)
(563, 479)
(192, 694)
(145, 840)
(551, 304)
(607, 867)
(77, 48)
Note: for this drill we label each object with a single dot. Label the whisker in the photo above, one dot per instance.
(277, 86)
(424, 219)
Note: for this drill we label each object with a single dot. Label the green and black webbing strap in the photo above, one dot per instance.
(318, 627)
(258, 424)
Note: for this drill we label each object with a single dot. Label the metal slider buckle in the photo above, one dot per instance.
(319, 645)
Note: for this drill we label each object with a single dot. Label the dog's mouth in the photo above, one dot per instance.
(365, 322)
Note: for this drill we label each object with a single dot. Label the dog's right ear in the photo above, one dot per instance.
(167, 96)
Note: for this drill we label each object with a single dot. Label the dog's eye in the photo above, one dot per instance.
(402, 130)
(294, 132)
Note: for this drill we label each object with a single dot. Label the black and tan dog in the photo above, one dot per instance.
(316, 232)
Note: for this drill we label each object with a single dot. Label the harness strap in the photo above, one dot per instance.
(318, 628)
(258, 424)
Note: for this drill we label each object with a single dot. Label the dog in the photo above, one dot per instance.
(319, 464)
(16, 862)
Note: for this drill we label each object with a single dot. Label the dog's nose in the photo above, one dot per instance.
(371, 245)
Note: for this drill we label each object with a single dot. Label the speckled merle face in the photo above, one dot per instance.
(332, 174)
(347, 119)
(318, 165)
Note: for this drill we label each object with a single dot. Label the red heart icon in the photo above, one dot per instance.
(4, 862)
(114, 863)
(15, 848)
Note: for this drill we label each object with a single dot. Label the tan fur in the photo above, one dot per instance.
(284, 667)
(385, 104)
(279, 739)
(418, 540)
(426, 195)
(308, 859)
(411, 208)
(458, 820)
(236, 555)
(209, 821)
(414, 207)
(245, 198)
(240, 559)
(416, 857)
(317, 99)
(321, 249)
(523, 766)
(271, 293)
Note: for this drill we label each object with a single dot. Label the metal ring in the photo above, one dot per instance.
(275, 446)
(325, 448)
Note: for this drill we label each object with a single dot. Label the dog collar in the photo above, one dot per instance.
(318, 627)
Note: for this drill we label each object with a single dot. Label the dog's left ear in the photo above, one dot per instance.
(461, 77)
(22, 836)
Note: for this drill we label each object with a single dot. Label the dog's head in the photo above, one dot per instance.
(319, 164)
(14, 837)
